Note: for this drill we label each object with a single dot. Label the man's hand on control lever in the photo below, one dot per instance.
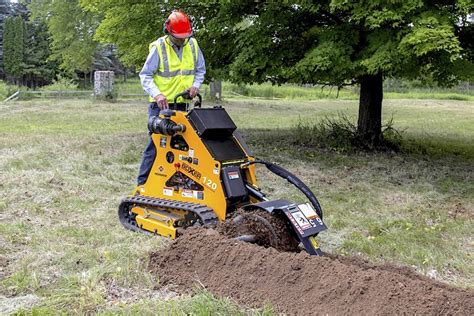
(162, 102)
(193, 91)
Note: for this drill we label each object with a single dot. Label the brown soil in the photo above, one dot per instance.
(297, 283)
(269, 230)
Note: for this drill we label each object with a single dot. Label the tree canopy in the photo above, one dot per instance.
(335, 42)
(38, 69)
(14, 46)
(71, 29)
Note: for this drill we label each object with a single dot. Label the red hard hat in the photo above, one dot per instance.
(178, 25)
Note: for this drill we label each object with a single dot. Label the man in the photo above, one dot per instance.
(175, 63)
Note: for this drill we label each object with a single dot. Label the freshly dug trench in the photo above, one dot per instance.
(297, 283)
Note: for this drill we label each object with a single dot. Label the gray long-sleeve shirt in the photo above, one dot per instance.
(151, 65)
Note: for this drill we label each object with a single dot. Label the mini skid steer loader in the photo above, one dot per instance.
(204, 174)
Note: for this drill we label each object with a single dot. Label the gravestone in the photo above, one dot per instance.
(215, 88)
(104, 85)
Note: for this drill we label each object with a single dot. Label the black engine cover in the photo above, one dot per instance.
(212, 123)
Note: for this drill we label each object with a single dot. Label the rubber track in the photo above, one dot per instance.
(204, 213)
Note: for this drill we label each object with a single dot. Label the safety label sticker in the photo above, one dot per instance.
(215, 170)
(308, 210)
(191, 152)
(233, 175)
(187, 193)
(301, 220)
(163, 141)
(168, 191)
(199, 195)
(292, 219)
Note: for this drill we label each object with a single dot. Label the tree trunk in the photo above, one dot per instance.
(369, 124)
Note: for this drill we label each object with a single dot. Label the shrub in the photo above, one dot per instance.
(7, 89)
(342, 134)
(3, 90)
(60, 84)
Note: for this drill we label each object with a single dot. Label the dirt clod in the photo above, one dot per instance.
(297, 283)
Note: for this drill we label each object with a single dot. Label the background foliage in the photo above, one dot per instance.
(333, 42)
(14, 46)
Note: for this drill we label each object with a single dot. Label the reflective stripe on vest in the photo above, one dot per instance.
(194, 51)
(175, 73)
(173, 76)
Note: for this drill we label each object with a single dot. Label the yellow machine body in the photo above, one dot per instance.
(198, 164)
(204, 172)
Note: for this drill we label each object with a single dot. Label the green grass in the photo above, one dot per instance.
(66, 165)
(295, 92)
(263, 91)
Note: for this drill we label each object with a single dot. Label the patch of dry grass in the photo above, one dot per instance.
(65, 166)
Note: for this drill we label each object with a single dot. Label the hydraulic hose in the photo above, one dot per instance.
(300, 185)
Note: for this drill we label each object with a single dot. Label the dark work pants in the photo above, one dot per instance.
(150, 150)
(149, 154)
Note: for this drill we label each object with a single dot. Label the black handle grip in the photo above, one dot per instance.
(185, 95)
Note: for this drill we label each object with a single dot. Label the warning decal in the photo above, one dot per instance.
(301, 220)
(187, 193)
(198, 195)
(163, 141)
(233, 175)
(168, 191)
(308, 210)
(292, 219)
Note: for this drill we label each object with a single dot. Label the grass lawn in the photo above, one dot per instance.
(66, 164)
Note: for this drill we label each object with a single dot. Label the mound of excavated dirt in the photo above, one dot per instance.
(297, 283)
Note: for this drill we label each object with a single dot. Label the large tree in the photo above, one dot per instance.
(26, 51)
(14, 47)
(71, 29)
(332, 42)
(38, 69)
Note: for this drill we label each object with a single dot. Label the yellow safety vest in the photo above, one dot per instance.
(173, 76)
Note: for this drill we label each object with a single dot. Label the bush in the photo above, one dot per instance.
(7, 90)
(3, 90)
(60, 84)
(239, 89)
(342, 134)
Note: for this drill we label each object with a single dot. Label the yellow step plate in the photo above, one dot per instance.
(156, 222)
(155, 226)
